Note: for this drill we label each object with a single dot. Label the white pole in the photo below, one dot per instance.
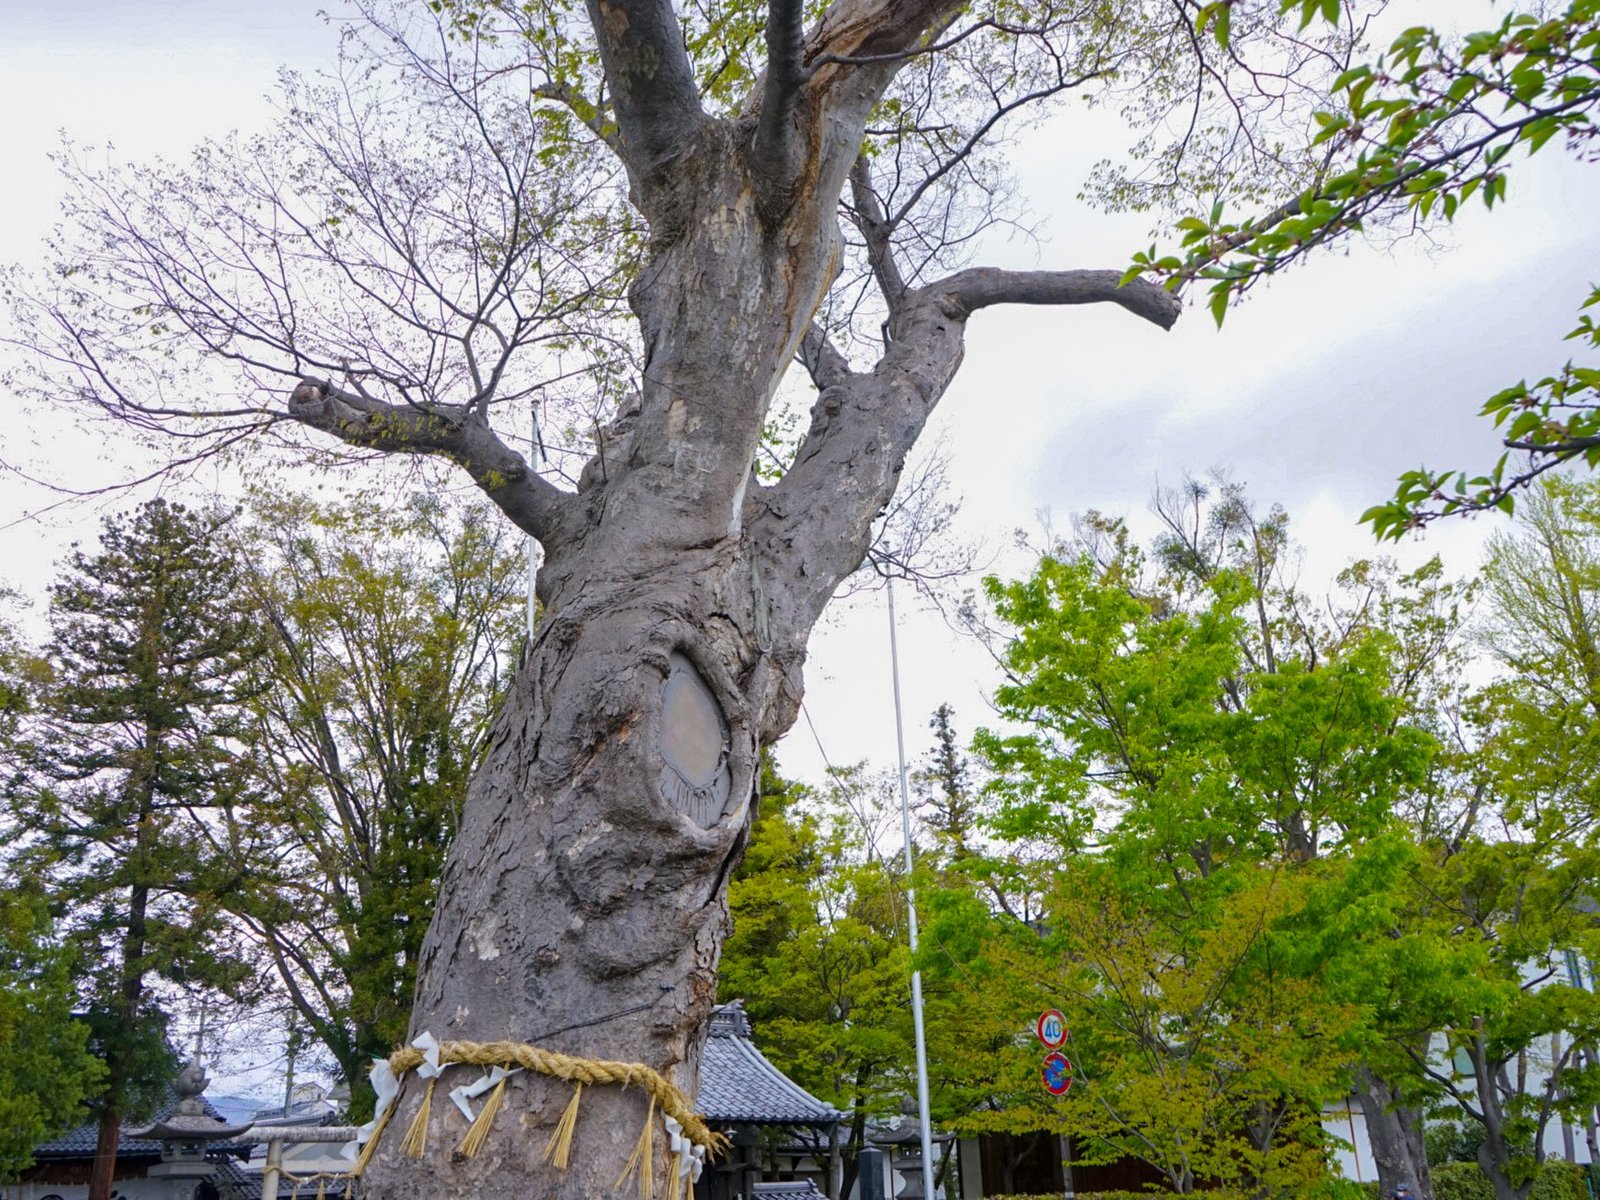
(535, 454)
(269, 1176)
(533, 563)
(911, 914)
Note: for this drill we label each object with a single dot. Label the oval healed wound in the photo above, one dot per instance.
(692, 729)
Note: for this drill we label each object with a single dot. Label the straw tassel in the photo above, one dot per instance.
(679, 1170)
(643, 1159)
(559, 1146)
(478, 1132)
(417, 1135)
(322, 1188)
(372, 1142)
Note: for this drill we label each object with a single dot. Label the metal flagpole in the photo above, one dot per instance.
(911, 914)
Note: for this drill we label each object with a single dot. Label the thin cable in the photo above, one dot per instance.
(811, 725)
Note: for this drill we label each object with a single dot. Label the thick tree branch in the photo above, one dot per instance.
(878, 33)
(651, 80)
(865, 423)
(777, 141)
(980, 287)
(533, 503)
(821, 358)
(875, 229)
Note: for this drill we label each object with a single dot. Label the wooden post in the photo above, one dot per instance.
(269, 1174)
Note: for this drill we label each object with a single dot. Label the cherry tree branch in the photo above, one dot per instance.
(865, 423)
(821, 358)
(777, 141)
(876, 230)
(871, 35)
(980, 287)
(651, 80)
(451, 431)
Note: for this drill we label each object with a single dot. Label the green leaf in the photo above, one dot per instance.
(1219, 305)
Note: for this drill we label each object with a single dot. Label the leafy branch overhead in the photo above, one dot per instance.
(1411, 137)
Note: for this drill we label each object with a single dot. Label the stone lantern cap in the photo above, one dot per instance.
(188, 1122)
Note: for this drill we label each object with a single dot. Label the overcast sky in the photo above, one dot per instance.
(1318, 392)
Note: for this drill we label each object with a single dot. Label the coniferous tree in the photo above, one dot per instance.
(128, 749)
(948, 800)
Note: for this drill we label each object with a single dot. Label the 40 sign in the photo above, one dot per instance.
(1051, 1028)
(1057, 1074)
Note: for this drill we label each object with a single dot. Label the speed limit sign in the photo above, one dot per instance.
(1051, 1028)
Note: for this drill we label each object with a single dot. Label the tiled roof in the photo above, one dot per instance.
(313, 1114)
(81, 1142)
(804, 1190)
(739, 1086)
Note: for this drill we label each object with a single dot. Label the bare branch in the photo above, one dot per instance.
(967, 291)
(876, 231)
(450, 431)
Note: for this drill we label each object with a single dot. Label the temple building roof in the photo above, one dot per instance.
(738, 1086)
(81, 1142)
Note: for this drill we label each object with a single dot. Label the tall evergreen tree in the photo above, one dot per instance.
(948, 803)
(129, 745)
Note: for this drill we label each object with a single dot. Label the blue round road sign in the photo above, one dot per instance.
(1057, 1074)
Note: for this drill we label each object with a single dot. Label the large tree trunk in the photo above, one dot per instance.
(1395, 1131)
(130, 991)
(583, 906)
(103, 1171)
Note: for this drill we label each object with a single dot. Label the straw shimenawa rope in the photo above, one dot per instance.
(570, 1067)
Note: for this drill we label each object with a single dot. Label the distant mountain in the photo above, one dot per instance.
(237, 1109)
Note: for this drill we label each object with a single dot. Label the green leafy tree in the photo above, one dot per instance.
(818, 951)
(128, 764)
(1190, 719)
(1195, 1047)
(1542, 627)
(46, 1070)
(389, 640)
(1162, 723)
(1480, 955)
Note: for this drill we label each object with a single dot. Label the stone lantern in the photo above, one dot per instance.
(184, 1172)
